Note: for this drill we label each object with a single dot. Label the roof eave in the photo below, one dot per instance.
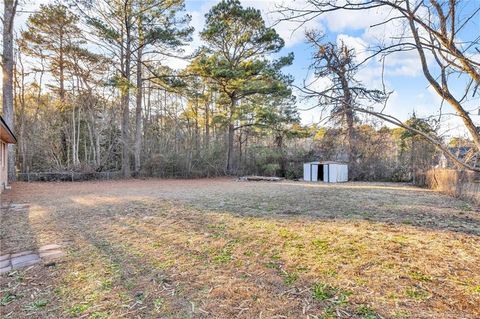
(13, 139)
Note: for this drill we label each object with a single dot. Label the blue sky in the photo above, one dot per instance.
(402, 71)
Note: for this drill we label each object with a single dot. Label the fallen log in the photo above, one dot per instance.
(259, 179)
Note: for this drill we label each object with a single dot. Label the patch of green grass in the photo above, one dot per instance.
(417, 275)
(465, 207)
(59, 291)
(155, 245)
(476, 289)
(302, 269)
(106, 284)
(290, 278)
(7, 298)
(99, 315)
(139, 296)
(365, 312)
(80, 276)
(17, 275)
(78, 309)
(322, 291)
(321, 245)
(248, 253)
(392, 296)
(287, 234)
(272, 265)
(244, 276)
(400, 239)
(328, 313)
(329, 272)
(347, 252)
(129, 284)
(164, 264)
(113, 267)
(388, 265)
(401, 314)
(299, 246)
(37, 304)
(159, 305)
(218, 230)
(225, 255)
(416, 293)
(139, 254)
(276, 256)
(342, 297)
(360, 281)
(94, 296)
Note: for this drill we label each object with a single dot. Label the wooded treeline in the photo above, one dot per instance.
(93, 91)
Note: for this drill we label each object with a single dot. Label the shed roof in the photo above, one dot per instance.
(6, 133)
(327, 162)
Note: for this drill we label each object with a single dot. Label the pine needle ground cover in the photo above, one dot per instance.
(216, 248)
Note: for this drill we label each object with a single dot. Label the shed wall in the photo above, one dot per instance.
(332, 172)
(339, 173)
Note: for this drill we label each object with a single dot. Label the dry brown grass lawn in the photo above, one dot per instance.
(223, 249)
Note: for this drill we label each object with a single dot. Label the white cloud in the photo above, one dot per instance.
(358, 44)
(293, 33)
(318, 84)
(403, 63)
(343, 20)
(290, 31)
(197, 22)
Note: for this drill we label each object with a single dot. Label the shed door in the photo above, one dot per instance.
(332, 173)
(314, 172)
(307, 172)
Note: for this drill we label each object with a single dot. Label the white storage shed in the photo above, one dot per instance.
(328, 172)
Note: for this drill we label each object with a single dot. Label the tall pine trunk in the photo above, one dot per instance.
(138, 108)
(207, 125)
(22, 144)
(197, 130)
(10, 7)
(138, 112)
(282, 163)
(230, 138)
(125, 100)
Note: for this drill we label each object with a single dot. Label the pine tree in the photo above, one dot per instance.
(238, 44)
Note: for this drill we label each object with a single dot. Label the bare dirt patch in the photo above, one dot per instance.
(216, 248)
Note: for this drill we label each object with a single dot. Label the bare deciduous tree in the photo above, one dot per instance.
(336, 62)
(431, 28)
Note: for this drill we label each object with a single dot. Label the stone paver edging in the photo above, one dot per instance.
(29, 257)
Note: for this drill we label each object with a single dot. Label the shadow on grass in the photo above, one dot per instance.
(151, 239)
(117, 231)
(16, 233)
